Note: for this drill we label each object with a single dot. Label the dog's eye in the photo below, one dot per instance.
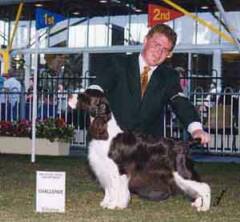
(102, 108)
(93, 111)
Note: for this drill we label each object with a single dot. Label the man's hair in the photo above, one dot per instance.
(165, 30)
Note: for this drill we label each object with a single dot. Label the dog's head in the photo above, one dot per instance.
(95, 103)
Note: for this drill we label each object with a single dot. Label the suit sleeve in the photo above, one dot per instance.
(180, 104)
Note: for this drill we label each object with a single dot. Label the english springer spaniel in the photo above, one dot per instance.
(125, 162)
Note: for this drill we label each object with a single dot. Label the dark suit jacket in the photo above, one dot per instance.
(121, 83)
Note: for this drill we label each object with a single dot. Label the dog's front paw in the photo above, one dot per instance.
(111, 205)
(122, 205)
(106, 200)
(123, 192)
(108, 203)
(197, 203)
(203, 201)
(104, 203)
(124, 200)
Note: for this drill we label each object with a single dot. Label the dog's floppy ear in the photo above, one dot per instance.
(98, 129)
(80, 101)
(73, 99)
(83, 101)
(104, 109)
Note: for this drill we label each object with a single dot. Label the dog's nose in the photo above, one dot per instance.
(94, 112)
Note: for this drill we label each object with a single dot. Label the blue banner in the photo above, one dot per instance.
(45, 18)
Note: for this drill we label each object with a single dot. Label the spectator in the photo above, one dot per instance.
(2, 95)
(2, 79)
(49, 80)
(50, 76)
(183, 79)
(13, 87)
(213, 97)
(62, 100)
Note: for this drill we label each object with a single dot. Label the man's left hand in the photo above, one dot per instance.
(202, 135)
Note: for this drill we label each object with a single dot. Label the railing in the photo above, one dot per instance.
(17, 106)
(219, 114)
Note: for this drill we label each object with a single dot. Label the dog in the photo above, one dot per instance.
(128, 162)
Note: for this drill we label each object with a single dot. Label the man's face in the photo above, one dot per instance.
(57, 63)
(156, 49)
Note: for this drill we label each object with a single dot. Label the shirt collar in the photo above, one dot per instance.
(142, 64)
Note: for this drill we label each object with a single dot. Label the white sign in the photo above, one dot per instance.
(50, 190)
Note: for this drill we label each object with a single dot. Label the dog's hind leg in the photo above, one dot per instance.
(200, 192)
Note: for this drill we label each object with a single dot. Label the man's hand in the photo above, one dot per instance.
(201, 134)
(72, 101)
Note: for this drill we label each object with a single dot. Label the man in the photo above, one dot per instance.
(51, 75)
(13, 87)
(183, 80)
(142, 110)
(50, 79)
(11, 92)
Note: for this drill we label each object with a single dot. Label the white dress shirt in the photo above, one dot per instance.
(142, 64)
(14, 86)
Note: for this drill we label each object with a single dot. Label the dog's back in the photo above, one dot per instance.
(149, 162)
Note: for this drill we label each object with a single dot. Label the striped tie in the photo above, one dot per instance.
(144, 79)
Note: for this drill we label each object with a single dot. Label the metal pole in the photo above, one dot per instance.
(228, 24)
(16, 25)
(34, 111)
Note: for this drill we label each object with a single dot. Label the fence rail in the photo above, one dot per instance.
(219, 113)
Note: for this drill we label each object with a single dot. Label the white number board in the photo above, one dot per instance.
(50, 191)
